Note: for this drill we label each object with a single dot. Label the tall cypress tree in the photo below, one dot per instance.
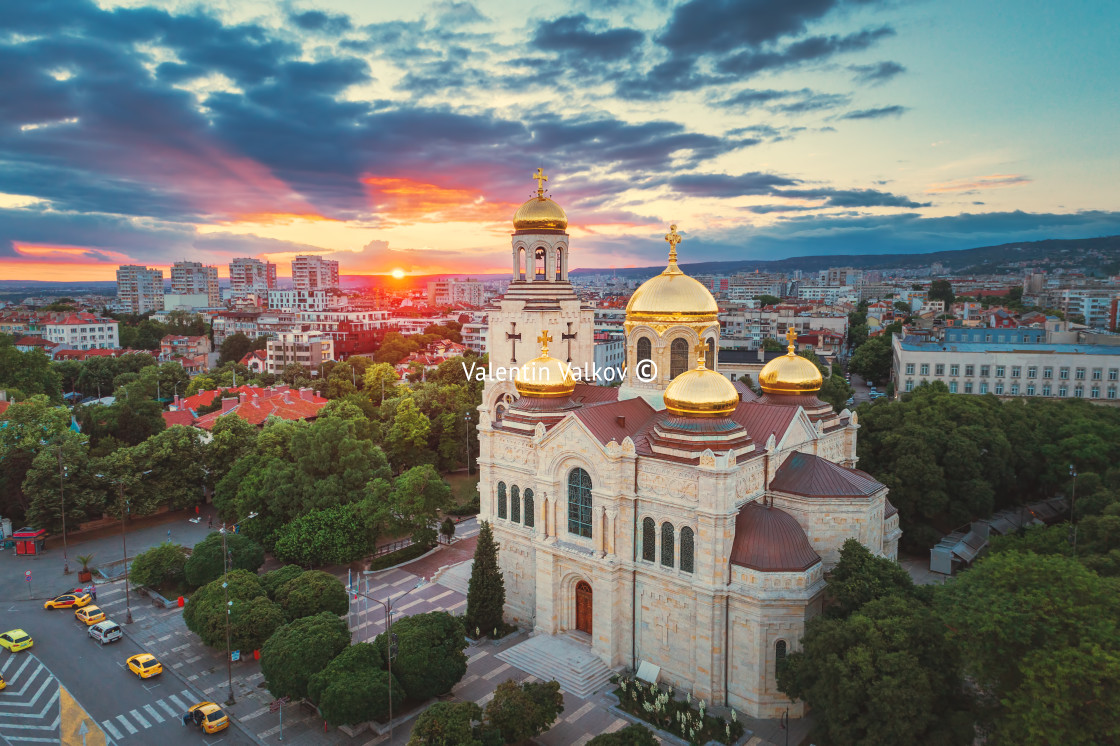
(486, 593)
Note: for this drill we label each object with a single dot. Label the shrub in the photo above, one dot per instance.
(312, 592)
(632, 735)
(355, 697)
(206, 564)
(430, 657)
(160, 565)
(447, 724)
(333, 536)
(523, 711)
(299, 650)
(273, 580)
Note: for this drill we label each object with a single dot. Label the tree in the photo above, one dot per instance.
(162, 564)
(407, 438)
(231, 438)
(273, 580)
(486, 590)
(872, 361)
(767, 300)
(414, 503)
(176, 459)
(253, 617)
(354, 687)
(82, 493)
(773, 345)
(430, 659)
(312, 592)
(299, 650)
(523, 711)
(28, 426)
(29, 372)
(632, 735)
(447, 724)
(943, 290)
(380, 382)
(234, 347)
(1028, 626)
(836, 391)
(885, 675)
(334, 536)
(447, 529)
(206, 561)
(861, 577)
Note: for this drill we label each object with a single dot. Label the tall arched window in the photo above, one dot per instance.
(667, 544)
(678, 357)
(649, 540)
(710, 357)
(579, 503)
(515, 504)
(644, 348)
(779, 655)
(501, 499)
(687, 549)
(559, 265)
(530, 510)
(521, 264)
(539, 264)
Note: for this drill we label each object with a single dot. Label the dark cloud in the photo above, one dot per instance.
(750, 98)
(880, 72)
(317, 20)
(578, 36)
(852, 197)
(879, 113)
(725, 185)
(811, 49)
(775, 185)
(813, 102)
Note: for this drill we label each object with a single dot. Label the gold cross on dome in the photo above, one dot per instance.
(541, 179)
(791, 336)
(673, 238)
(544, 339)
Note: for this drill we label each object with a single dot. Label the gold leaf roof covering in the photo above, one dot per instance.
(672, 297)
(790, 373)
(540, 212)
(701, 392)
(544, 376)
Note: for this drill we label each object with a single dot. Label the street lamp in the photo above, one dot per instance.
(124, 544)
(229, 604)
(1072, 507)
(62, 502)
(467, 441)
(392, 646)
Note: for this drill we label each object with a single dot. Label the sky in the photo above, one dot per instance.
(403, 136)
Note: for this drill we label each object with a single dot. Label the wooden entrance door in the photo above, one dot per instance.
(583, 607)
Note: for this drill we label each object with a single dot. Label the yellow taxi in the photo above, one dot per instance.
(208, 716)
(16, 640)
(3, 684)
(144, 665)
(90, 615)
(69, 601)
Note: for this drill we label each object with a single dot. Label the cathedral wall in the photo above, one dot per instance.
(529, 324)
(517, 560)
(830, 521)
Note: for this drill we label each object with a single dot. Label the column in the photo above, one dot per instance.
(564, 263)
(612, 526)
(516, 265)
(598, 530)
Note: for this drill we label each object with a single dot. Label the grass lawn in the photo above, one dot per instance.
(464, 489)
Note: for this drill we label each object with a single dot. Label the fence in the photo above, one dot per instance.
(395, 546)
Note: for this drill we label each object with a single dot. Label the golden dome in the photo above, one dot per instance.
(672, 297)
(545, 376)
(790, 373)
(701, 392)
(540, 212)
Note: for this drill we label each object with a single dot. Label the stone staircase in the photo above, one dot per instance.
(579, 671)
(456, 577)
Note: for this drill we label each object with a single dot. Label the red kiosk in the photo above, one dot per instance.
(30, 540)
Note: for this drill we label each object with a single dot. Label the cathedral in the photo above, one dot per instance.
(679, 519)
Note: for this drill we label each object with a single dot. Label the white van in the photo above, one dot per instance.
(107, 631)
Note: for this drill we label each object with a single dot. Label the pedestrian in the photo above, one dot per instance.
(197, 510)
(186, 717)
(93, 592)
(210, 522)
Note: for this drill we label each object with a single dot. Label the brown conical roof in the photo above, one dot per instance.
(770, 540)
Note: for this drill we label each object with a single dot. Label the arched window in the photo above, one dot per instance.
(559, 265)
(645, 349)
(539, 264)
(779, 655)
(501, 499)
(687, 549)
(667, 544)
(499, 413)
(649, 540)
(678, 357)
(710, 357)
(521, 264)
(515, 504)
(579, 503)
(530, 510)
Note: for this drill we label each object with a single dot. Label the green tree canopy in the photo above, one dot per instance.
(83, 494)
(161, 564)
(29, 372)
(523, 711)
(253, 617)
(273, 580)
(430, 659)
(354, 687)
(334, 536)
(234, 347)
(486, 589)
(312, 592)
(861, 577)
(414, 503)
(768, 300)
(447, 724)
(872, 360)
(943, 290)
(407, 437)
(206, 561)
(299, 650)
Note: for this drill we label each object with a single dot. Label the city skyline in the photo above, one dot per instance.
(152, 132)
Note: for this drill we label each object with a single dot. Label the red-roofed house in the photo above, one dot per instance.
(256, 361)
(251, 403)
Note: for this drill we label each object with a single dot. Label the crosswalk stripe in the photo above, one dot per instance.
(178, 703)
(187, 695)
(167, 708)
(128, 726)
(108, 725)
(31, 702)
(139, 718)
(19, 673)
(7, 663)
(152, 711)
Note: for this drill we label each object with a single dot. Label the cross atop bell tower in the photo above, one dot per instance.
(541, 179)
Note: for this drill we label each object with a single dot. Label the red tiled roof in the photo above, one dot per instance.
(890, 510)
(256, 410)
(36, 341)
(745, 392)
(178, 417)
(4, 406)
(587, 393)
(259, 354)
(770, 540)
(602, 420)
(762, 420)
(812, 476)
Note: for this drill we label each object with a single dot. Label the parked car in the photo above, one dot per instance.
(144, 665)
(69, 601)
(90, 615)
(106, 631)
(16, 640)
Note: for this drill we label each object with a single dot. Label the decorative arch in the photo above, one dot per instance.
(678, 357)
(501, 499)
(521, 259)
(559, 263)
(540, 263)
(515, 504)
(688, 550)
(530, 509)
(579, 503)
(649, 540)
(668, 544)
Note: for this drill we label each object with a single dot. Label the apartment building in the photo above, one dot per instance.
(308, 349)
(1016, 367)
(609, 355)
(1094, 304)
(248, 276)
(755, 325)
(81, 331)
(828, 294)
(476, 336)
(186, 301)
(195, 278)
(351, 332)
(314, 273)
(306, 300)
(139, 289)
(455, 292)
(252, 324)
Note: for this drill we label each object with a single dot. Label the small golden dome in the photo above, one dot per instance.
(672, 297)
(701, 392)
(545, 376)
(540, 212)
(790, 373)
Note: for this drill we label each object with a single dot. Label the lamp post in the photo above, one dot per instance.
(229, 604)
(124, 541)
(62, 500)
(392, 646)
(1073, 506)
(467, 441)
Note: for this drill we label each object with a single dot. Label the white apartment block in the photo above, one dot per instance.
(193, 278)
(306, 300)
(755, 325)
(139, 289)
(249, 276)
(1095, 304)
(828, 294)
(314, 273)
(1054, 371)
(308, 349)
(417, 326)
(452, 292)
(185, 301)
(476, 336)
(334, 323)
(82, 331)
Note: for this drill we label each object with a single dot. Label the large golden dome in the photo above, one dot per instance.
(672, 297)
(790, 373)
(701, 392)
(545, 376)
(540, 213)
